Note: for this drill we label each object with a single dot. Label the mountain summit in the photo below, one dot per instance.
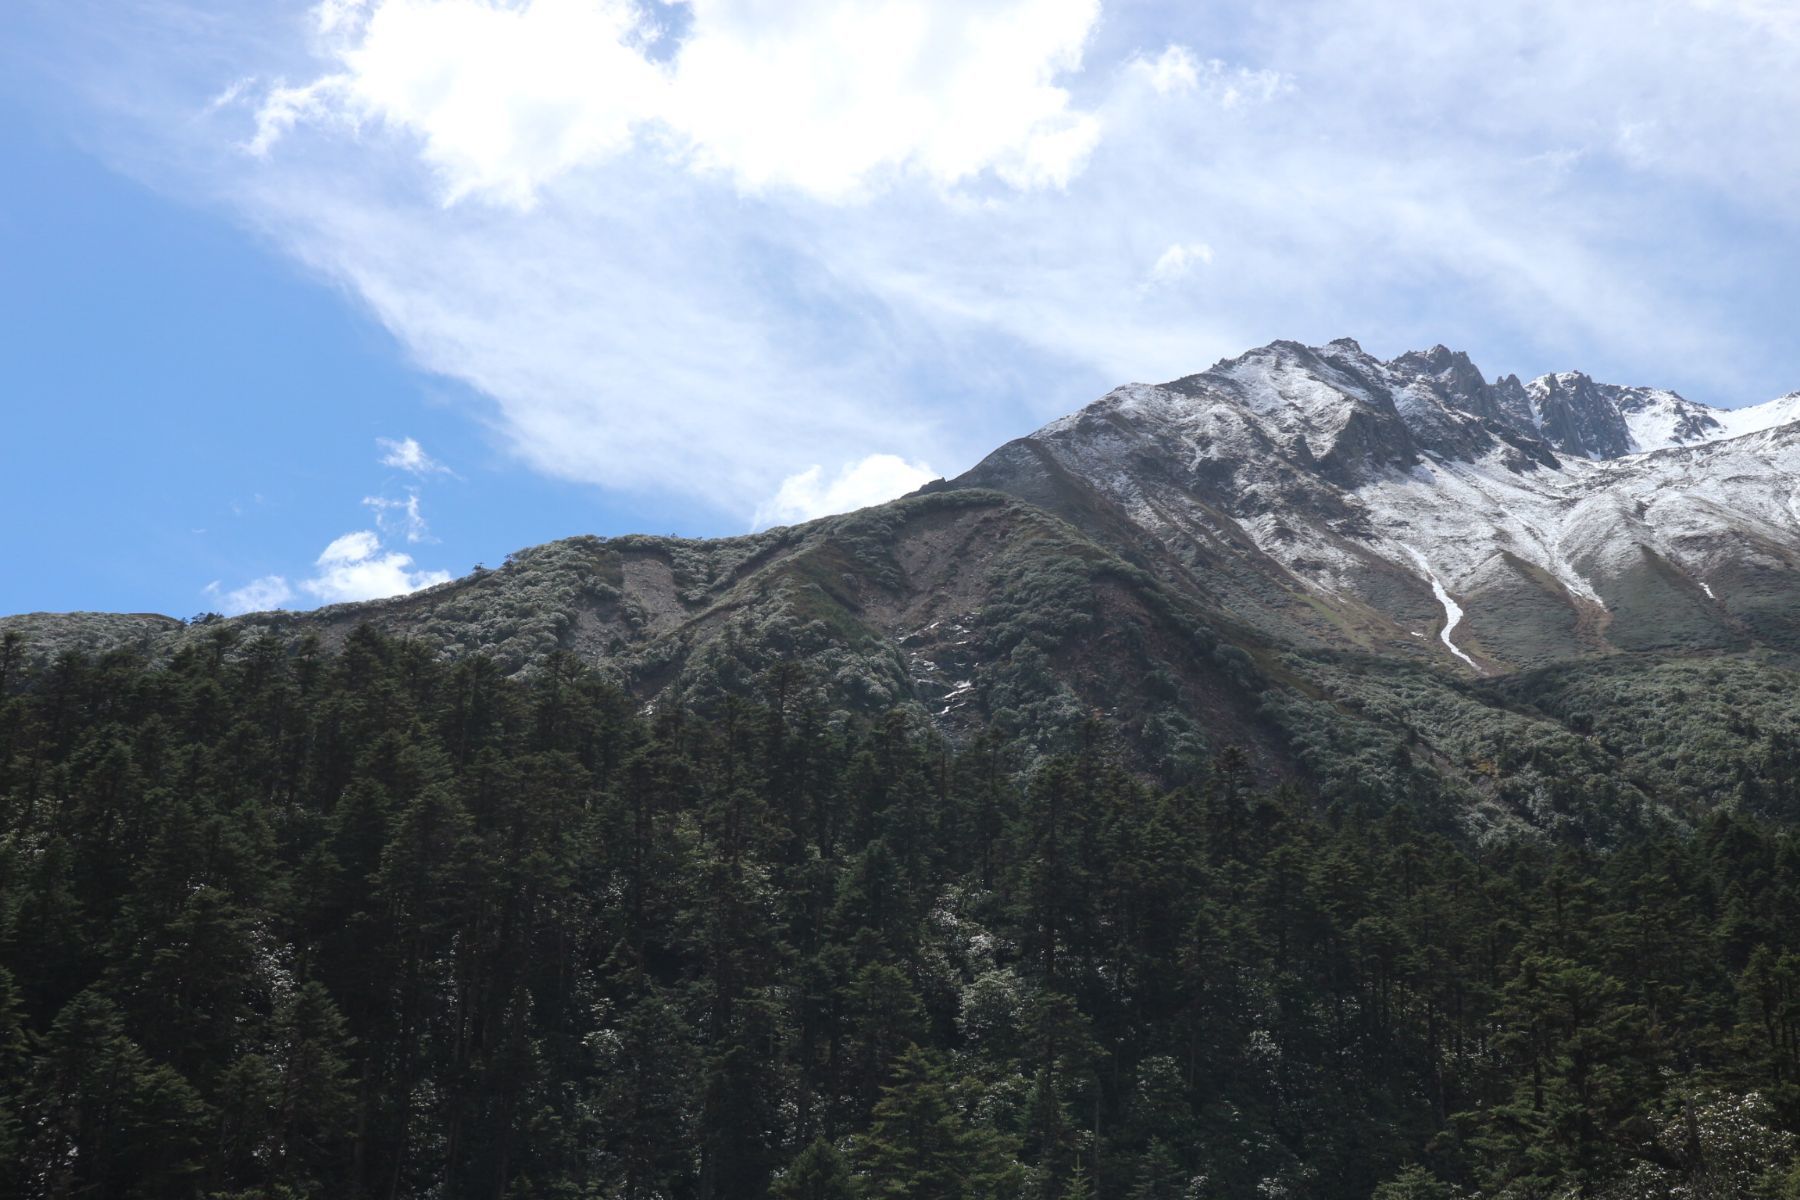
(1329, 497)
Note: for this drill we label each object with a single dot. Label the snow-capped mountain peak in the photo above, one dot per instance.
(1319, 491)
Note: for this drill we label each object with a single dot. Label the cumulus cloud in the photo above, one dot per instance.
(873, 480)
(502, 97)
(354, 567)
(259, 595)
(822, 94)
(815, 95)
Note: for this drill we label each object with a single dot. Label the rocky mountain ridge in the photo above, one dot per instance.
(1330, 498)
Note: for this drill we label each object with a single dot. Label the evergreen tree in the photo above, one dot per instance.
(921, 1144)
(818, 1172)
(108, 1121)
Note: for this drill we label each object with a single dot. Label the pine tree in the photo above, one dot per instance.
(645, 1101)
(819, 1172)
(107, 1120)
(15, 1065)
(1415, 1183)
(920, 1144)
(314, 1094)
(1585, 1067)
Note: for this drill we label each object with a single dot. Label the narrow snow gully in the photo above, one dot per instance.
(1453, 612)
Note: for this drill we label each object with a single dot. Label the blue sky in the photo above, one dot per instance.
(303, 301)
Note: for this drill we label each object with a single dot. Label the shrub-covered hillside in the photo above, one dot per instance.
(968, 609)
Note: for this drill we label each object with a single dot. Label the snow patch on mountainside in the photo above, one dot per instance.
(1453, 612)
(1773, 415)
(1292, 399)
(1660, 419)
(1471, 514)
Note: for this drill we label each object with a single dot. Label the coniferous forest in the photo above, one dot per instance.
(279, 923)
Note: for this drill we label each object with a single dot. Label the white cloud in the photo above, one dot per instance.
(829, 226)
(1179, 260)
(356, 547)
(872, 480)
(823, 94)
(1177, 72)
(230, 94)
(407, 455)
(259, 595)
(401, 518)
(332, 15)
(502, 96)
(353, 567)
(1174, 70)
(285, 107)
(816, 95)
(1779, 17)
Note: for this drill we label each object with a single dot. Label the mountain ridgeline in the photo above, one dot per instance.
(1334, 563)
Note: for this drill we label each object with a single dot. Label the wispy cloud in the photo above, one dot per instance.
(400, 517)
(230, 94)
(407, 455)
(820, 231)
(1180, 260)
(1178, 71)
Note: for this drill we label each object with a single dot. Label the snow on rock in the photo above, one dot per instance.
(1661, 419)
(1337, 466)
(1453, 612)
(1758, 418)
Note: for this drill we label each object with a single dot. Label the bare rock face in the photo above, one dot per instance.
(1576, 417)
